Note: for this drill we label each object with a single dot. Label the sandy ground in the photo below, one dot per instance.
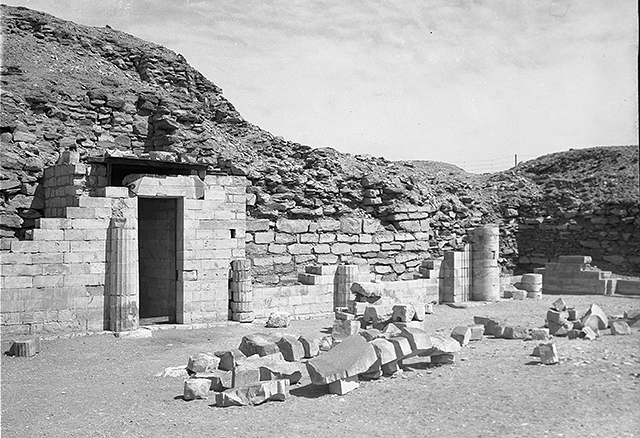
(101, 386)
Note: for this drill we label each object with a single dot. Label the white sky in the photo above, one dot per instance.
(461, 81)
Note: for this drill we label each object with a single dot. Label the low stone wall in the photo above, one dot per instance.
(281, 250)
(311, 300)
(610, 235)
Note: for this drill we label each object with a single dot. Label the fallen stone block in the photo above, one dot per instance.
(548, 353)
(403, 313)
(311, 346)
(419, 340)
(402, 346)
(519, 294)
(595, 318)
(371, 334)
(273, 390)
(351, 357)
(370, 291)
(220, 380)
(443, 359)
(482, 320)
(291, 348)
(273, 367)
(477, 332)
(344, 386)
(588, 333)
(385, 350)
(540, 334)
(245, 373)
(375, 314)
(25, 348)
(498, 330)
(442, 345)
(536, 351)
(278, 320)
(556, 316)
(559, 305)
(261, 344)
(420, 311)
(196, 389)
(563, 329)
(391, 330)
(203, 362)
(343, 329)
(515, 332)
(177, 371)
(620, 328)
(462, 335)
(632, 317)
(229, 359)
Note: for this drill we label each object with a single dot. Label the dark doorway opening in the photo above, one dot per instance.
(157, 237)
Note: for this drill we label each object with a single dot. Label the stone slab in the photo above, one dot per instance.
(229, 358)
(403, 313)
(220, 380)
(261, 344)
(548, 353)
(620, 328)
(344, 386)
(342, 329)
(354, 355)
(256, 394)
(462, 335)
(291, 348)
(203, 362)
(196, 389)
(595, 318)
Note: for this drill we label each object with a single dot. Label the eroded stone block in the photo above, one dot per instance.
(548, 353)
(203, 362)
(311, 346)
(274, 390)
(344, 386)
(291, 348)
(620, 328)
(462, 335)
(354, 355)
(261, 344)
(196, 389)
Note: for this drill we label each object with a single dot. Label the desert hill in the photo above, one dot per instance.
(101, 91)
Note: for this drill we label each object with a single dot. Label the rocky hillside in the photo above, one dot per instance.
(100, 91)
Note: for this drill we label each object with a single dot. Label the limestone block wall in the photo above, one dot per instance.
(309, 300)
(575, 275)
(609, 234)
(55, 280)
(281, 250)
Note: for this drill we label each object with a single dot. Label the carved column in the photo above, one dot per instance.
(122, 276)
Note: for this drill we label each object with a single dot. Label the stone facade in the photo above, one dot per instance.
(58, 279)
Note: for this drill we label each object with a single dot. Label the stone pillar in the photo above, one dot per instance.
(485, 246)
(122, 283)
(241, 291)
(346, 275)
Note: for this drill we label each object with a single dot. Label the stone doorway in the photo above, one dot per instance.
(157, 254)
